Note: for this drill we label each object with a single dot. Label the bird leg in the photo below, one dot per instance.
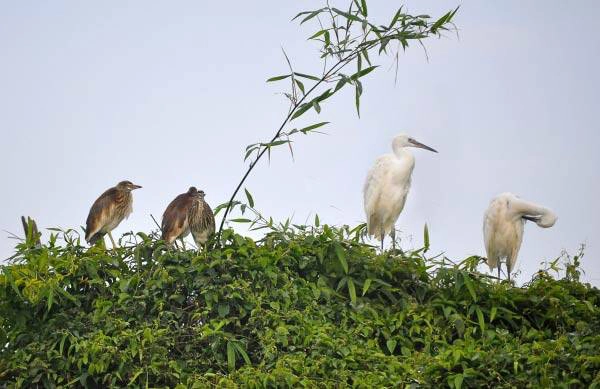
(393, 236)
(499, 266)
(175, 243)
(183, 244)
(112, 240)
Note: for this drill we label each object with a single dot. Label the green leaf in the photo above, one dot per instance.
(458, 380)
(391, 345)
(469, 284)
(366, 286)
(303, 108)
(357, 100)
(230, 356)
(278, 78)
(300, 85)
(223, 310)
(249, 197)
(363, 72)
(351, 290)
(347, 15)
(480, 318)
(493, 312)
(426, 238)
(316, 106)
(240, 350)
(312, 127)
(317, 220)
(339, 252)
(240, 220)
(317, 34)
(135, 376)
(50, 298)
(365, 11)
(314, 78)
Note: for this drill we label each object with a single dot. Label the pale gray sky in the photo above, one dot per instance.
(169, 94)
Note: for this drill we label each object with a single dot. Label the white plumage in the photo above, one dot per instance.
(503, 226)
(387, 186)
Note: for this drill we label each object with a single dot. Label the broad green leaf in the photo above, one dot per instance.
(230, 356)
(242, 352)
(458, 380)
(391, 345)
(493, 312)
(316, 220)
(366, 286)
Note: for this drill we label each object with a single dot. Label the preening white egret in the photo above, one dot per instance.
(387, 185)
(503, 226)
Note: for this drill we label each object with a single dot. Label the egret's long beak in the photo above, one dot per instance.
(534, 219)
(419, 145)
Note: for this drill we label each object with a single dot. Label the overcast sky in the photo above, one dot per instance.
(168, 94)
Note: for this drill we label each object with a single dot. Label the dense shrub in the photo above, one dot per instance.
(309, 307)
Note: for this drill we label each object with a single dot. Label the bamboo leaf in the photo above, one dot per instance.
(469, 285)
(278, 78)
(363, 72)
(249, 197)
(230, 356)
(312, 127)
(339, 252)
(314, 78)
(366, 286)
(351, 290)
(347, 15)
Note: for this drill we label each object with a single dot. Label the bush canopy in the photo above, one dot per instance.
(303, 307)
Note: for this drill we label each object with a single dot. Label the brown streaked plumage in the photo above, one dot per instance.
(108, 211)
(175, 221)
(202, 220)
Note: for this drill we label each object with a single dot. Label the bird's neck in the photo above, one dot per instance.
(403, 153)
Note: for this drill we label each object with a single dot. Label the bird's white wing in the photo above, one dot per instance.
(372, 189)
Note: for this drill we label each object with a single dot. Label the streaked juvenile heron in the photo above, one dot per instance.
(187, 213)
(108, 211)
(387, 186)
(202, 221)
(175, 220)
(503, 225)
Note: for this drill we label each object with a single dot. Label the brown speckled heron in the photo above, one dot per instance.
(108, 211)
(187, 213)
(202, 221)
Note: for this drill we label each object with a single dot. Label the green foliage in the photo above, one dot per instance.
(305, 307)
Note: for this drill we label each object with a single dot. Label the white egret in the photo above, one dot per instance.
(503, 226)
(387, 185)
